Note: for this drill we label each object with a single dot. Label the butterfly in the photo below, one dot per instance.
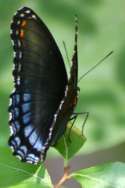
(44, 98)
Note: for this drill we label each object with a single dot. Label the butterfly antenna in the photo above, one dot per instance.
(66, 51)
(96, 65)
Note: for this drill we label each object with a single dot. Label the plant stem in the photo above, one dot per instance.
(64, 178)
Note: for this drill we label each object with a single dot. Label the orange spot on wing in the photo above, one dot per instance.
(23, 23)
(21, 34)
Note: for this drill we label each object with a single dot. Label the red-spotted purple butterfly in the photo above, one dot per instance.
(44, 98)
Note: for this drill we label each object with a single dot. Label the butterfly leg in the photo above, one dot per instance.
(85, 119)
(74, 117)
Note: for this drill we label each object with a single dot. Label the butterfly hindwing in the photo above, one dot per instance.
(40, 80)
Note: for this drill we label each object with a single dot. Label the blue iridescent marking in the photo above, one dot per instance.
(39, 144)
(16, 125)
(26, 97)
(26, 107)
(33, 137)
(32, 158)
(28, 130)
(20, 153)
(16, 142)
(16, 112)
(27, 118)
(13, 143)
(15, 99)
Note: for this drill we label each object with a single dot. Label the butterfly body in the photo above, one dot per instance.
(44, 98)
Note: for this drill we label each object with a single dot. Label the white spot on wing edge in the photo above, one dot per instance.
(10, 114)
(18, 80)
(34, 16)
(22, 15)
(11, 31)
(66, 90)
(11, 131)
(12, 148)
(32, 158)
(12, 42)
(30, 162)
(14, 54)
(18, 156)
(27, 11)
(18, 22)
(20, 55)
(55, 118)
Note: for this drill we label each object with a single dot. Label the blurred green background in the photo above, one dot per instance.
(101, 29)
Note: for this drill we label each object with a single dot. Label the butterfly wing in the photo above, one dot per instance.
(40, 79)
(68, 103)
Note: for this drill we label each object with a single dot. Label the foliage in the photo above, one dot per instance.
(71, 143)
(102, 28)
(25, 175)
(106, 176)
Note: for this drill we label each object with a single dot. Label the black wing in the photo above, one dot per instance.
(40, 79)
(69, 102)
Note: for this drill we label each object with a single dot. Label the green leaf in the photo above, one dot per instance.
(110, 175)
(69, 148)
(14, 173)
(36, 181)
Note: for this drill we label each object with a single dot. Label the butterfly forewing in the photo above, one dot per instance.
(68, 103)
(40, 81)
